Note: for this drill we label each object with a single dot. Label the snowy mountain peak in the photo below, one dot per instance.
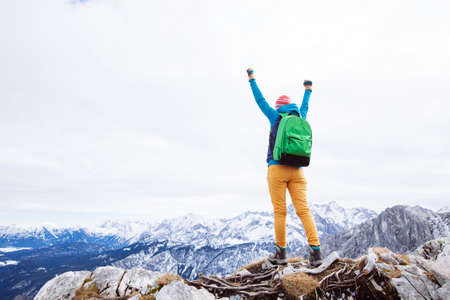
(444, 209)
(344, 217)
(127, 230)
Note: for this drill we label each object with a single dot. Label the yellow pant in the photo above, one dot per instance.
(279, 178)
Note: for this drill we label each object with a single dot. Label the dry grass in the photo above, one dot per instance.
(147, 297)
(167, 278)
(394, 274)
(403, 258)
(431, 277)
(83, 293)
(86, 280)
(298, 284)
(378, 251)
(293, 260)
(385, 259)
(253, 267)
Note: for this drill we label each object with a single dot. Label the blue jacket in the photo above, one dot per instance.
(274, 115)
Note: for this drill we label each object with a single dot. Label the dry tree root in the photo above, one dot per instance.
(362, 281)
(260, 285)
(359, 279)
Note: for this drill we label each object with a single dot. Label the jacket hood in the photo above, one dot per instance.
(292, 107)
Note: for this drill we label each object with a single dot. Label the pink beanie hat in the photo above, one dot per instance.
(283, 100)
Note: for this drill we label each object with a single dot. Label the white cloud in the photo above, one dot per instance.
(128, 106)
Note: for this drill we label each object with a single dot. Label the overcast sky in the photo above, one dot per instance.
(125, 108)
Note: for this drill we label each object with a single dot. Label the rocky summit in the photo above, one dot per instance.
(186, 245)
(379, 274)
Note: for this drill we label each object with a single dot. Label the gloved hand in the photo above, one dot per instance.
(307, 84)
(250, 73)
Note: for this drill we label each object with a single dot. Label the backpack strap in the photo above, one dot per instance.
(282, 115)
(293, 113)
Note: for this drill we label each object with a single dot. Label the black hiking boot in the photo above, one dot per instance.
(279, 258)
(315, 258)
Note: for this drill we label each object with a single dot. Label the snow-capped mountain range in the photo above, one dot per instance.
(111, 232)
(188, 229)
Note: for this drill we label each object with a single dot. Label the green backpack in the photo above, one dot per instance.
(294, 141)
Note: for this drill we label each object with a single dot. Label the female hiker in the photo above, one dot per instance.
(287, 175)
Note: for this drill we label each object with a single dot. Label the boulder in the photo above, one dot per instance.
(444, 291)
(178, 290)
(63, 286)
(107, 279)
(137, 280)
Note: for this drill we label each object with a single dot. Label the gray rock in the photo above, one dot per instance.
(435, 257)
(107, 280)
(237, 297)
(326, 263)
(444, 291)
(432, 249)
(411, 269)
(243, 272)
(137, 280)
(442, 263)
(63, 286)
(389, 257)
(385, 268)
(415, 282)
(415, 287)
(177, 290)
(405, 289)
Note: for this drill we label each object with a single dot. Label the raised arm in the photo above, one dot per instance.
(305, 102)
(270, 113)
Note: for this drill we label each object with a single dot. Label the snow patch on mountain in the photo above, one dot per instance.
(346, 217)
(444, 209)
(8, 262)
(14, 249)
(127, 230)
